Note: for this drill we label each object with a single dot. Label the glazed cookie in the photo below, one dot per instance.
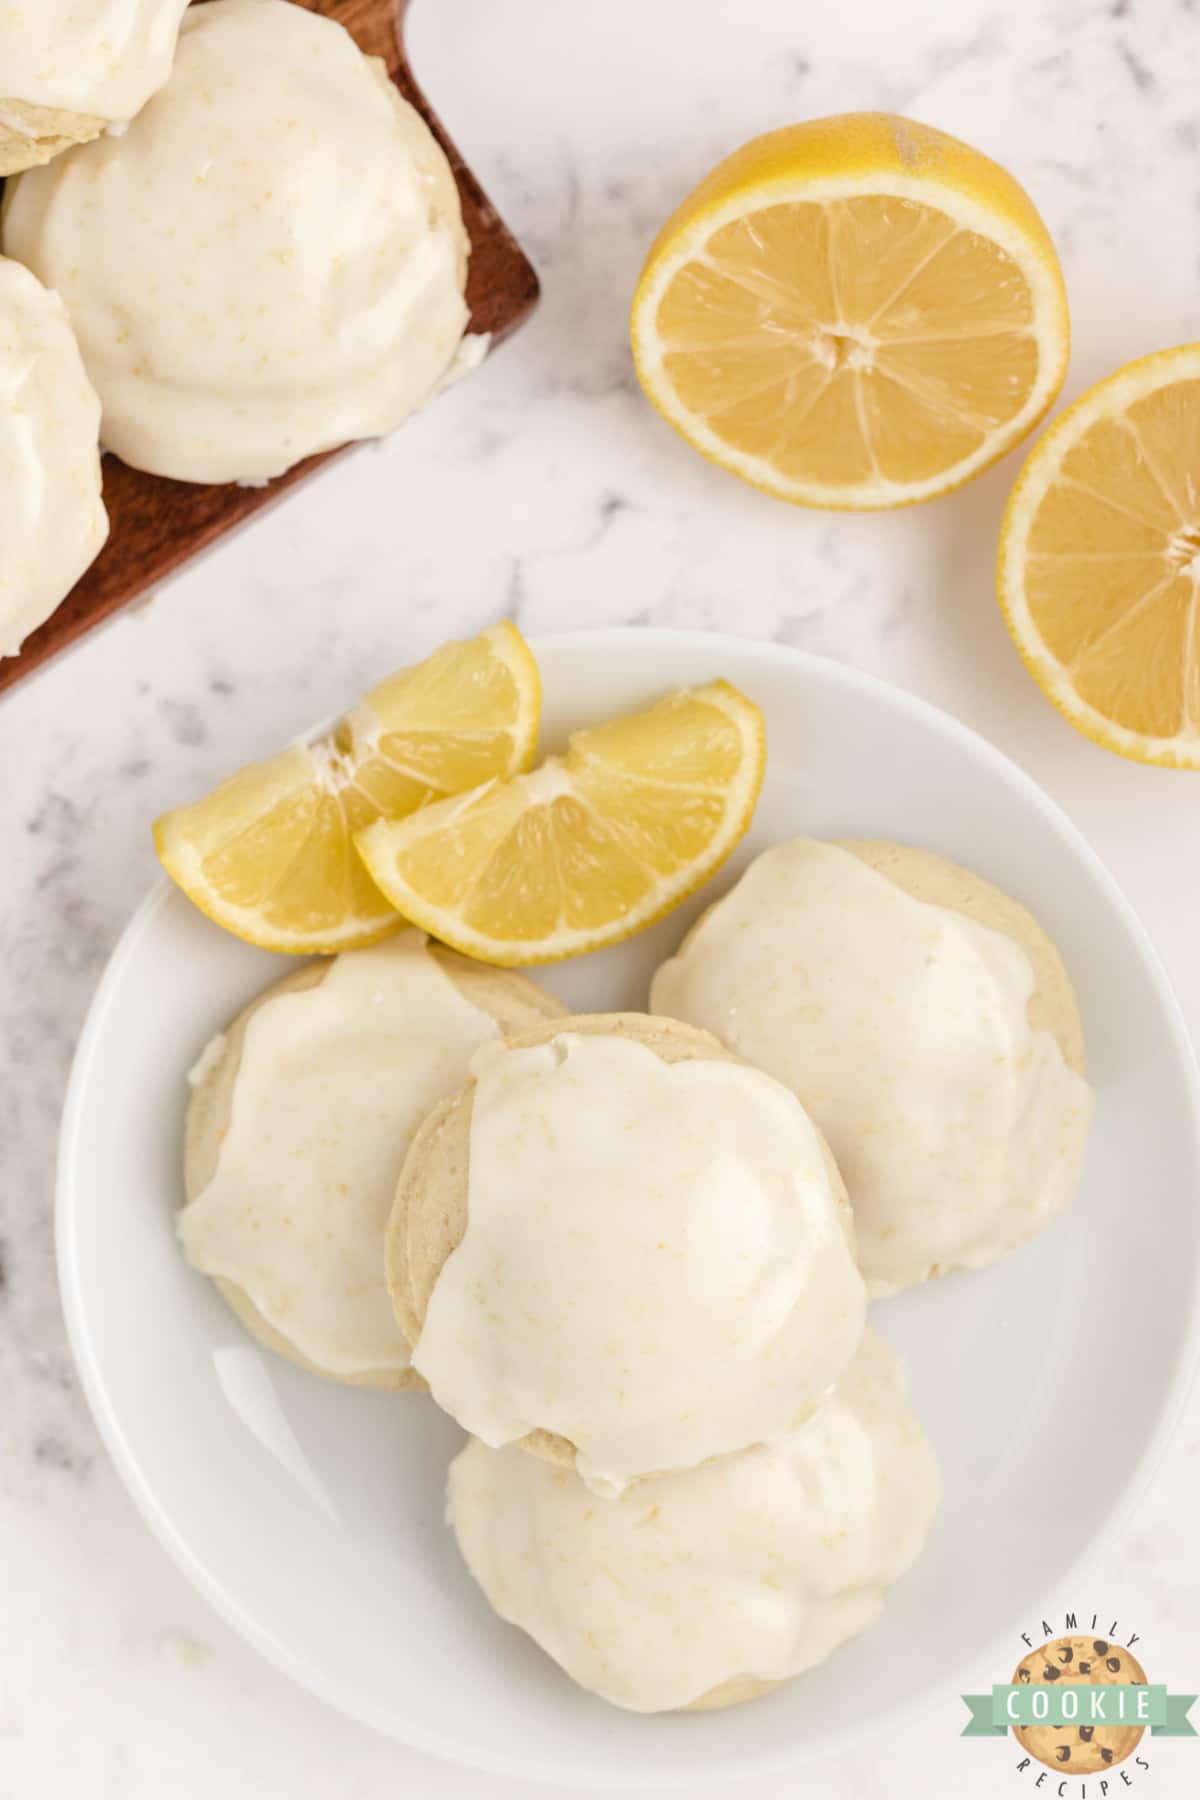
(935, 880)
(925, 1020)
(32, 135)
(625, 1248)
(270, 262)
(54, 521)
(710, 1586)
(68, 72)
(299, 1120)
(1080, 1749)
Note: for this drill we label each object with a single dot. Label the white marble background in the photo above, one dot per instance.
(546, 488)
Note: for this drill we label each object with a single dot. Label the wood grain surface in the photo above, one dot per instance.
(157, 525)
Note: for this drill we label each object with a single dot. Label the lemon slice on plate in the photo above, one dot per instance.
(590, 847)
(854, 312)
(1099, 570)
(268, 854)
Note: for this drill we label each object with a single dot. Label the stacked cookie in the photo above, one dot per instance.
(258, 244)
(618, 1248)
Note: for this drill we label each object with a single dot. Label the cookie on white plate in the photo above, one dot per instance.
(300, 1117)
(624, 1248)
(712, 1585)
(926, 1021)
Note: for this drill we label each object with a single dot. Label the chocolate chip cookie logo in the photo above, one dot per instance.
(1083, 1749)
(1081, 1705)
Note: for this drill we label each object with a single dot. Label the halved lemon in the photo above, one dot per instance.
(590, 847)
(268, 854)
(854, 312)
(1099, 569)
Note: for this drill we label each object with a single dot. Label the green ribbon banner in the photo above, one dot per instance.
(1075, 1703)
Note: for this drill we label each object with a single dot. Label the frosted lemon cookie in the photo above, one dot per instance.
(299, 1120)
(711, 1585)
(627, 1243)
(271, 261)
(54, 521)
(69, 70)
(927, 1023)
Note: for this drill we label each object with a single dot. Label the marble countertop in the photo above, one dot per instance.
(546, 489)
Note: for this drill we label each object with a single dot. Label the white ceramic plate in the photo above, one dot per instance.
(311, 1515)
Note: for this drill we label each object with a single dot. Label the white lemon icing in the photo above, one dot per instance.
(655, 1265)
(904, 1029)
(54, 521)
(270, 262)
(332, 1084)
(99, 57)
(754, 1565)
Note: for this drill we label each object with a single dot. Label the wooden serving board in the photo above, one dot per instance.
(157, 525)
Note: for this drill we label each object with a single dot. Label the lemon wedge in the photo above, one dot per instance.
(269, 854)
(589, 848)
(1099, 569)
(853, 312)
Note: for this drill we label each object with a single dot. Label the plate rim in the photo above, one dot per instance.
(1128, 1495)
